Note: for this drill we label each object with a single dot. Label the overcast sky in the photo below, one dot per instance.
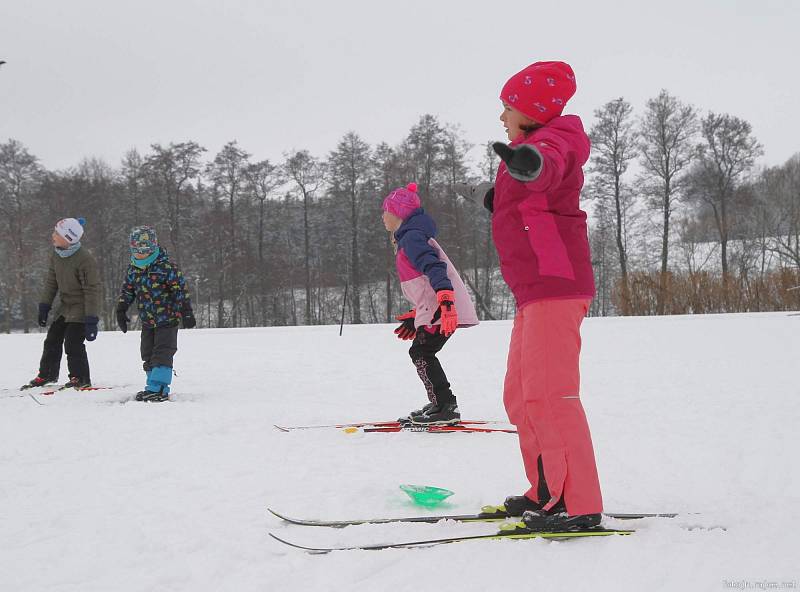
(98, 78)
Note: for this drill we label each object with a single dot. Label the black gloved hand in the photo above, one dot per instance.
(188, 318)
(90, 328)
(524, 162)
(44, 310)
(122, 318)
(480, 193)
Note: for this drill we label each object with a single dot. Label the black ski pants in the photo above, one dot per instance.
(423, 354)
(65, 337)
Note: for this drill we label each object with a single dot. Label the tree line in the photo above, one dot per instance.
(680, 221)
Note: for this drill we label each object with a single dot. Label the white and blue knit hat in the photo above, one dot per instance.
(70, 229)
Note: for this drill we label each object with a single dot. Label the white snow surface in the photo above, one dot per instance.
(690, 414)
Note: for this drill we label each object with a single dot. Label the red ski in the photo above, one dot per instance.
(437, 429)
(86, 388)
(374, 424)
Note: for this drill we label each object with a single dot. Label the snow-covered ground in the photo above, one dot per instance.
(688, 414)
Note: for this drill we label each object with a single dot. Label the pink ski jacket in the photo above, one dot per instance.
(538, 227)
(423, 268)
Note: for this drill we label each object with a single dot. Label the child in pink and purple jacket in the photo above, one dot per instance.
(541, 238)
(441, 302)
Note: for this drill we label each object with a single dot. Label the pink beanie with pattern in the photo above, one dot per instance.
(541, 90)
(402, 201)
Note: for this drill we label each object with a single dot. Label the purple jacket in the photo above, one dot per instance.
(538, 227)
(423, 268)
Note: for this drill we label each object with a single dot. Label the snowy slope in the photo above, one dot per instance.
(689, 414)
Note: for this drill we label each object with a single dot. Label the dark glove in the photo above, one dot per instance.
(91, 328)
(44, 310)
(447, 310)
(524, 162)
(122, 318)
(406, 330)
(188, 318)
(480, 193)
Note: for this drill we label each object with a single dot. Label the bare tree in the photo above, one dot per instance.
(172, 168)
(779, 190)
(133, 175)
(20, 178)
(352, 178)
(263, 179)
(614, 142)
(727, 154)
(667, 148)
(389, 174)
(307, 173)
(423, 149)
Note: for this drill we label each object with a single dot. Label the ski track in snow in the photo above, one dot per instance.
(688, 414)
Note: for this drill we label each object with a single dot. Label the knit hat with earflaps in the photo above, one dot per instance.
(144, 240)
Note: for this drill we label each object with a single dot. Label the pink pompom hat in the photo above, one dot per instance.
(402, 201)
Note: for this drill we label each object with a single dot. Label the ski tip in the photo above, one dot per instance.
(277, 514)
(296, 546)
(280, 428)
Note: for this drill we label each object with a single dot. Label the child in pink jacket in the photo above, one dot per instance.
(441, 303)
(540, 234)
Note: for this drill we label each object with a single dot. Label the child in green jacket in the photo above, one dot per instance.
(72, 273)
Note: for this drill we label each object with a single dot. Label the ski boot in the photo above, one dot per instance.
(438, 415)
(76, 383)
(158, 381)
(152, 397)
(38, 381)
(416, 412)
(516, 505)
(541, 521)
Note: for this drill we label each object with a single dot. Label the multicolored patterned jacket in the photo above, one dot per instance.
(161, 291)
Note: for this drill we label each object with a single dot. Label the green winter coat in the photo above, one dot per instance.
(75, 278)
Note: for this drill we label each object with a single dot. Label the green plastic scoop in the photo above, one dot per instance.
(425, 495)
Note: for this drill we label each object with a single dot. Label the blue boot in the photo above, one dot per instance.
(158, 381)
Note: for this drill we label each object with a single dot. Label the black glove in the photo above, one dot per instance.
(91, 328)
(44, 310)
(482, 192)
(524, 162)
(122, 318)
(188, 318)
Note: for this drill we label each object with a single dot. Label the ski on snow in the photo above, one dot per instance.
(80, 389)
(378, 427)
(372, 424)
(436, 429)
(512, 533)
(482, 517)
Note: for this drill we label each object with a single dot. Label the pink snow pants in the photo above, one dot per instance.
(542, 398)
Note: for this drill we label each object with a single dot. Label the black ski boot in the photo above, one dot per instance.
(516, 505)
(415, 413)
(438, 415)
(151, 397)
(541, 521)
(76, 383)
(39, 381)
